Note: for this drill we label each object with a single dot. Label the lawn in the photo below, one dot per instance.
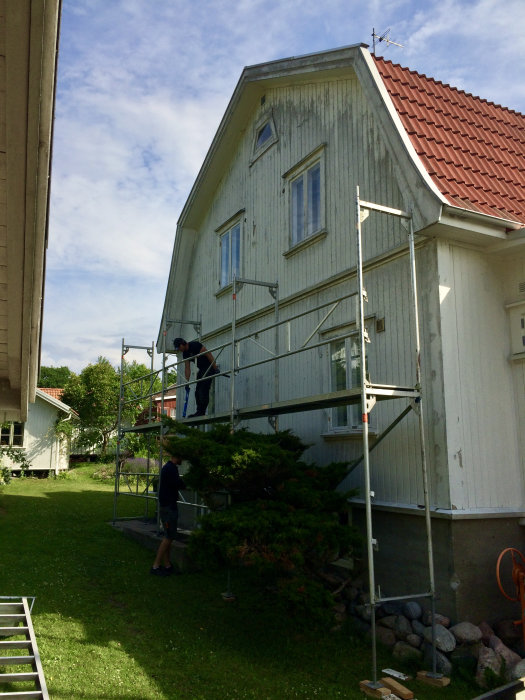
(108, 630)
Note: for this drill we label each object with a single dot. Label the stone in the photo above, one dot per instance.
(385, 636)
(486, 632)
(412, 609)
(426, 619)
(418, 627)
(518, 671)
(414, 640)
(509, 657)
(443, 664)
(406, 653)
(364, 612)
(388, 621)
(508, 632)
(465, 656)
(391, 607)
(488, 661)
(445, 640)
(466, 632)
(402, 627)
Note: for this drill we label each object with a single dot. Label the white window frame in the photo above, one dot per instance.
(7, 430)
(228, 248)
(304, 227)
(346, 418)
(266, 120)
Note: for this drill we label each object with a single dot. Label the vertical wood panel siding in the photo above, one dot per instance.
(334, 113)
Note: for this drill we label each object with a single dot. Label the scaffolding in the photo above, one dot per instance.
(367, 394)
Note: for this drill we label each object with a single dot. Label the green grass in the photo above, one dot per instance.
(108, 630)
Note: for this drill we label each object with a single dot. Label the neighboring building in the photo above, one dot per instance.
(28, 55)
(275, 201)
(44, 449)
(168, 401)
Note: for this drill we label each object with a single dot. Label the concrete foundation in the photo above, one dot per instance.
(465, 556)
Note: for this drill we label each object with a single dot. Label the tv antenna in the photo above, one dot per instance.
(383, 37)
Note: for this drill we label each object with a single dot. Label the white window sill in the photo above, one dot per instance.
(306, 243)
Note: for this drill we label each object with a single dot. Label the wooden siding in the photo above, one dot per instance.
(459, 371)
(482, 424)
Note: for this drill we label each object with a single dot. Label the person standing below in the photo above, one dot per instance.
(170, 483)
(206, 367)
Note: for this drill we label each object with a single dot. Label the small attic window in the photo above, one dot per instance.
(265, 136)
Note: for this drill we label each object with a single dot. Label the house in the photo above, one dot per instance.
(44, 450)
(275, 204)
(28, 55)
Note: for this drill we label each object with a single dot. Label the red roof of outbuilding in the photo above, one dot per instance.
(473, 150)
(55, 393)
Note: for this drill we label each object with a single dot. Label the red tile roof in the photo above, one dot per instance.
(473, 150)
(55, 393)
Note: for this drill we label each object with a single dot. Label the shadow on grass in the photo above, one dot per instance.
(108, 630)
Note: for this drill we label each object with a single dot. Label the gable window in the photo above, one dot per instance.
(345, 370)
(306, 203)
(12, 434)
(306, 187)
(230, 254)
(265, 136)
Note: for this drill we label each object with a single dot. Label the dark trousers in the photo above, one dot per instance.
(202, 390)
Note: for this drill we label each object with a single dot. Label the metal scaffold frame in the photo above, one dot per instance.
(367, 394)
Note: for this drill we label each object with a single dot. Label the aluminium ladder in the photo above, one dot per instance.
(15, 621)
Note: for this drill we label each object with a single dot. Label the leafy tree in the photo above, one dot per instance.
(54, 377)
(285, 518)
(94, 395)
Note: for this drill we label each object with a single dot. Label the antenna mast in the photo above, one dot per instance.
(383, 37)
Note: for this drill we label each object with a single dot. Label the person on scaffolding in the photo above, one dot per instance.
(206, 367)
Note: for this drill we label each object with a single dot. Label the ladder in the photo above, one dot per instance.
(15, 621)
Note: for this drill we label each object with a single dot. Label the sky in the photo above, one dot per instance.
(142, 87)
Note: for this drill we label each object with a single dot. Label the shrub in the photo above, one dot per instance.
(285, 519)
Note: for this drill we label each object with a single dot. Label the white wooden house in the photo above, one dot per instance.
(44, 450)
(275, 202)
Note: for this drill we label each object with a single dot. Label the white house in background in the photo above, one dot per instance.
(44, 450)
(28, 58)
(275, 202)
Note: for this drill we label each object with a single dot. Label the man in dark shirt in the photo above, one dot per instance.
(170, 483)
(206, 367)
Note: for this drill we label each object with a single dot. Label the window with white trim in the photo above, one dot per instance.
(230, 254)
(265, 135)
(306, 192)
(12, 434)
(345, 372)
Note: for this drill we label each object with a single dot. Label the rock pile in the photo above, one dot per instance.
(406, 628)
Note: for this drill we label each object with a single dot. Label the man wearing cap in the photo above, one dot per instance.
(206, 367)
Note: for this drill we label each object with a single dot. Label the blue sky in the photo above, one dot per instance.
(142, 86)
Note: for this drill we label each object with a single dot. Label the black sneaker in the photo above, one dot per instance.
(170, 570)
(159, 571)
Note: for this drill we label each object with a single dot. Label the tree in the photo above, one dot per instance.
(94, 395)
(54, 377)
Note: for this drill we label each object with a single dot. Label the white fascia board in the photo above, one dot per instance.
(54, 402)
(392, 111)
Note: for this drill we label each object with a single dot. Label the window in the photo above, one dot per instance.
(230, 254)
(305, 182)
(12, 434)
(265, 136)
(346, 374)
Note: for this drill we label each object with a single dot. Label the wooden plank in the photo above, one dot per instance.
(366, 687)
(426, 677)
(400, 690)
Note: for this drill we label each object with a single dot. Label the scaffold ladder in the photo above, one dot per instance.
(15, 621)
